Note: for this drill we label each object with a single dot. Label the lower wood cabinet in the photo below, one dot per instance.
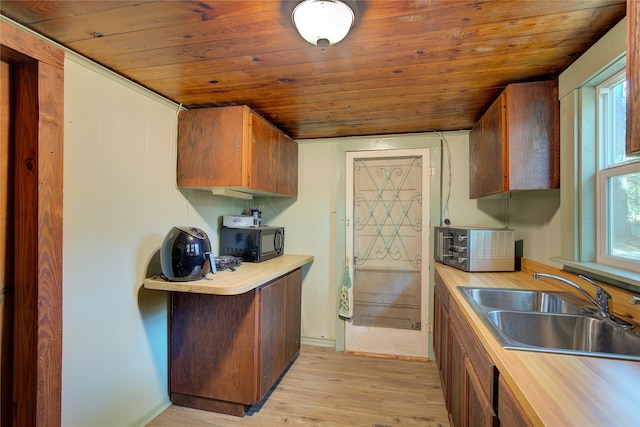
(227, 351)
(474, 393)
(441, 332)
(509, 410)
(480, 411)
(472, 376)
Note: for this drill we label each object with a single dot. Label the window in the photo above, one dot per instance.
(599, 191)
(618, 181)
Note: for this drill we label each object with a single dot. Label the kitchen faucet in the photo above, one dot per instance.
(601, 301)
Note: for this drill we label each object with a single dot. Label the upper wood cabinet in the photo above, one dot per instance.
(516, 143)
(633, 77)
(235, 148)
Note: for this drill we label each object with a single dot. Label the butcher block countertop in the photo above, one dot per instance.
(247, 276)
(556, 389)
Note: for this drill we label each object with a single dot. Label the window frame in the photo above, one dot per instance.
(607, 168)
(578, 204)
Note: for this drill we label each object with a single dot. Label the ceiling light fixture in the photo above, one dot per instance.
(323, 22)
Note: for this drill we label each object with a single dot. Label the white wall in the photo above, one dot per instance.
(120, 200)
(535, 217)
(310, 230)
(315, 222)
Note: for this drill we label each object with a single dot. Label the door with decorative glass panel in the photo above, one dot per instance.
(387, 251)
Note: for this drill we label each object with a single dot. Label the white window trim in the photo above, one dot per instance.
(577, 179)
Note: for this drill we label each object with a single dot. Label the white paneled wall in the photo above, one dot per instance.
(120, 200)
(535, 216)
(310, 230)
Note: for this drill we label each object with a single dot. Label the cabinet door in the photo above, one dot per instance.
(510, 412)
(293, 317)
(211, 148)
(532, 132)
(457, 379)
(214, 346)
(479, 410)
(475, 167)
(633, 77)
(263, 163)
(467, 403)
(478, 357)
(272, 334)
(288, 166)
(488, 162)
(494, 161)
(440, 332)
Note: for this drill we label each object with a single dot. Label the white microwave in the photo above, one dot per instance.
(475, 249)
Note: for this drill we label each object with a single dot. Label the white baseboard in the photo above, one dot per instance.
(157, 410)
(320, 342)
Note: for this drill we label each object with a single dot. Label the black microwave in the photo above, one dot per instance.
(252, 244)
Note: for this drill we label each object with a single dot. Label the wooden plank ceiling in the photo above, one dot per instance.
(406, 66)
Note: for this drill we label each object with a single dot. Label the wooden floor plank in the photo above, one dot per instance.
(325, 388)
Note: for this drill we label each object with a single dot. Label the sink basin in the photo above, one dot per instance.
(550, 321)
(519, 300)
(562, 333)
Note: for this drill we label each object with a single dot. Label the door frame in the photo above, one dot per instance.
(392, 342)
(38, 120)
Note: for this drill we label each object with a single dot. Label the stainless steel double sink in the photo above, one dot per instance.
(550, 321)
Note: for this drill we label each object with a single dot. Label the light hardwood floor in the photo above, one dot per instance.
(325, 388)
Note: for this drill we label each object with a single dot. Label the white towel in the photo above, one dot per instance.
(345, 308)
